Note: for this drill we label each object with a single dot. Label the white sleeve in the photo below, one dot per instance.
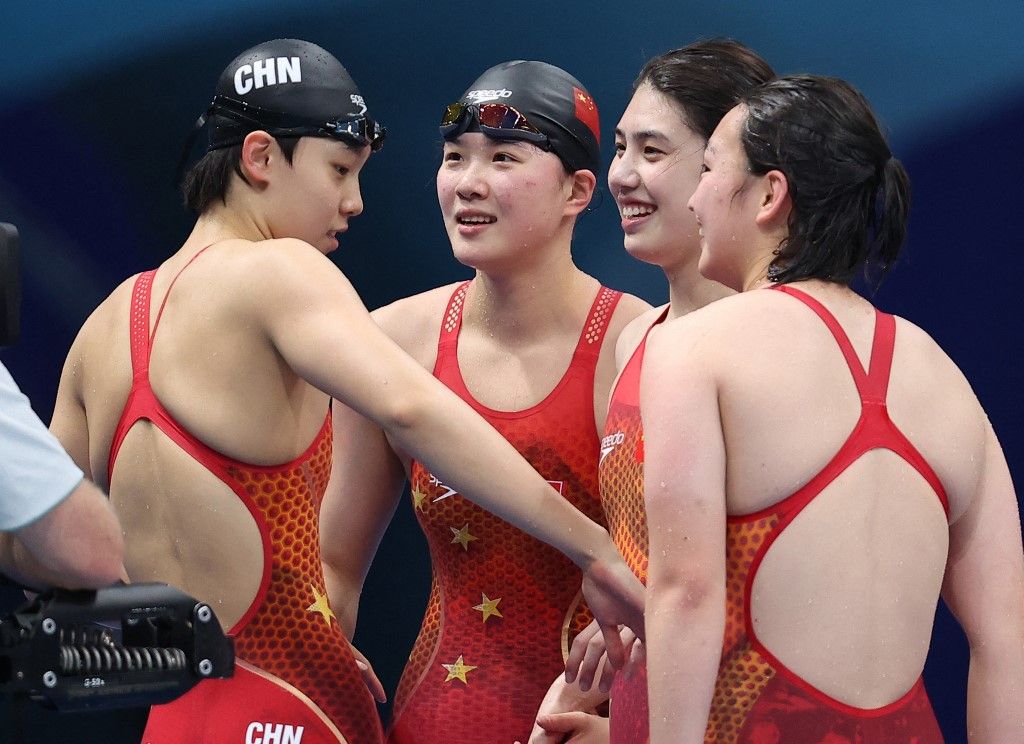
(36, 473)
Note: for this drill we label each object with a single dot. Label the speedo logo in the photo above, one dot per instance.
(264, 72)
(273, 733)
(610, 442)
(488, 95)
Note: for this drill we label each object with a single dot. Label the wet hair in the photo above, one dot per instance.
(706, 79)
(208, 180)
(850, 196)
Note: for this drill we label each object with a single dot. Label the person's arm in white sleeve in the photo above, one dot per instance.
(58, 528)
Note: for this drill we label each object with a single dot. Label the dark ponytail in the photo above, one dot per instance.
(894, 208)
(851, 197)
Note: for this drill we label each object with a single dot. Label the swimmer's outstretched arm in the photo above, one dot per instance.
(984, 588)
(316, 321)
(684, 491)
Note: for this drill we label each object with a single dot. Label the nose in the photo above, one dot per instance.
(471, 183)
(352, 202)
(622, 175)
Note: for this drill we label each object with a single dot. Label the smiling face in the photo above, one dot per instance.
(315, 196)
(726, 203)
(501, 199)
(655, 170)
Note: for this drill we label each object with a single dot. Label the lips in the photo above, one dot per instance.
(634, 214)
(636, 210)
(474, 218)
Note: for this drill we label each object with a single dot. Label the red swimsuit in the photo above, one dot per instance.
(503, 607)
(622, 496)
(757, 700)
(297, 679)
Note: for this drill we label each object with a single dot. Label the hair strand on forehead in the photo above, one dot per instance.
(705, 79)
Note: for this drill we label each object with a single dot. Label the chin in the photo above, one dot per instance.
(651, 253)
(718, 273)
(470, 256)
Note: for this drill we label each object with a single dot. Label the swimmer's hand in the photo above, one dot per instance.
(588, 659)
(369, 676)
(615, 597)
(579, 727)
(567, 713)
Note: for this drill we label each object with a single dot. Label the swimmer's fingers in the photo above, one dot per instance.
(613, 647)
(579, 649)
(373, 684)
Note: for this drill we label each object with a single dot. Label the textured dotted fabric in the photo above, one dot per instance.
(293, 633)
(743, 672)
(289, 631)
(622, 495)
(503, 606)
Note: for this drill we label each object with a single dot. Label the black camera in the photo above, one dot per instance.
(10, 286)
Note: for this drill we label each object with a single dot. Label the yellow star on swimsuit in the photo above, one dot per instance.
(321, 605)
(489, 607)
(458, 671)
(462, 537)
(418, 497)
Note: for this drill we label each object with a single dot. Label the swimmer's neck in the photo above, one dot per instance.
(530, 302)
(689, 291)
(223, 223)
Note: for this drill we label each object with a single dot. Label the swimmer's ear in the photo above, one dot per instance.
(774, 200)
(582, 184)
(259, 153)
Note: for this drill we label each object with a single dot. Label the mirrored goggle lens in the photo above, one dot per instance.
(500, 116)
(363, 130)
(496, 119)
(452, 113)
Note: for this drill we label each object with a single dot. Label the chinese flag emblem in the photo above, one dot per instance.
(586, 111)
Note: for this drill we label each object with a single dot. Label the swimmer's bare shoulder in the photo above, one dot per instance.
(107, 320)
(630, 310)
(414, 323)
(633, 332)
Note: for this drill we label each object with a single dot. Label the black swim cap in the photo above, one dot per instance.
(289, 87)
(551, 99)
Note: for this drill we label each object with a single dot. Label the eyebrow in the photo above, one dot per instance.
(490, 141)
(643, 134)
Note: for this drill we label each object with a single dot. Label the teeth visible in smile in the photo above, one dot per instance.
(476, 220)
(636, 210)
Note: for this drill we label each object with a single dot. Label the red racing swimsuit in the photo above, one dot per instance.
(757, 699)
(295, 679)
(621, 474)
(503, 606)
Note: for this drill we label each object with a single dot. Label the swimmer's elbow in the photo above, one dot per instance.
(686, 591)
(404, 412)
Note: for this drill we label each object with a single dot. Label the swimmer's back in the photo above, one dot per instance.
(217, 372)
(846, 593)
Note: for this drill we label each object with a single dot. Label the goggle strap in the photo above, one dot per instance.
(186, 151)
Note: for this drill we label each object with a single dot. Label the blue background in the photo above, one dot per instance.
(97, 97)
